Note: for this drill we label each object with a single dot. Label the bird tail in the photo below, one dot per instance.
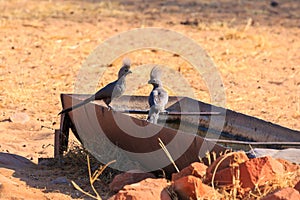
(77, 105)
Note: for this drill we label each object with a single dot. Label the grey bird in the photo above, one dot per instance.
(158, 97)
(110, 91)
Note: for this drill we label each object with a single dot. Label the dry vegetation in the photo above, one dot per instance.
(235, 191)
(228, 192)
(44, 43)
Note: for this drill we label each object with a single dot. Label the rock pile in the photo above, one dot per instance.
(230, 176)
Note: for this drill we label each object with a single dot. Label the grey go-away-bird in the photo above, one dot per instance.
(110, 91)
(158, 97)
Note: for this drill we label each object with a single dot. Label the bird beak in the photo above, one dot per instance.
(150, 82)
(129, 72)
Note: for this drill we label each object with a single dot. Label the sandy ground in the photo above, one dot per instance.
(254, 45)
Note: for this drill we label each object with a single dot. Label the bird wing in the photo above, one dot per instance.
(160, 98)
(151, 99)
(105, 92)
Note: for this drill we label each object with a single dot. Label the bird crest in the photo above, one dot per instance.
(155, 73)
(125, 69)
(126, 63)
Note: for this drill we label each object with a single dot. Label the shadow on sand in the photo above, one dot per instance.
(52, 176)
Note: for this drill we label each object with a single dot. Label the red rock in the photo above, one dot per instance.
(147, 189)
(224, 176)
(288, 166)
(259, 170)
(236, 157)
(224, 171)
(195, 169)
(297, 186)
(191, 187)
(128, 178)
(283, 194)
(293, 168)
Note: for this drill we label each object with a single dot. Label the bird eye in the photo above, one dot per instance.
(126, 70)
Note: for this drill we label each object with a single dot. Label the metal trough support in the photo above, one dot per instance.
(61, 137)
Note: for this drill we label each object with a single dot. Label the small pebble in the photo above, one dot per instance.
(274, 3)
(19, 118)
(60, 180)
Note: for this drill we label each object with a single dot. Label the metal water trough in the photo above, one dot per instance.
(92, 123)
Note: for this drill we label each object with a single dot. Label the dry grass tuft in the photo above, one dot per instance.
(164, 148)
(92, 177)
(280, 181)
